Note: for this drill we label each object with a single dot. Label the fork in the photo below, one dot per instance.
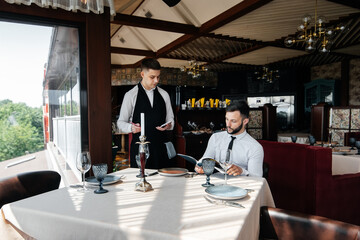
(222, 202)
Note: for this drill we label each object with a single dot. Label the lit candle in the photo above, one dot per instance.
(142, 117)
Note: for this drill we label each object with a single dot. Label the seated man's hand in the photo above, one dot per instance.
(199, 169)
(234, 170)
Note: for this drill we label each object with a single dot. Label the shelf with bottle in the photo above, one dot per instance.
(201, 104)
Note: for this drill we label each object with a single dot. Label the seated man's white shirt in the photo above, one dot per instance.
(246, 153)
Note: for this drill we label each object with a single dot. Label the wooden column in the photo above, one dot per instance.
(320, 121)
(269, 119)
(99, 87)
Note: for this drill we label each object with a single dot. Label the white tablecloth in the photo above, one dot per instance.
(176, 209)
(345, 164)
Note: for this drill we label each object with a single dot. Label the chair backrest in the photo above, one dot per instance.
(265, 170)
(170, 149)
(27, 184)
(277, 223)
(348, 135)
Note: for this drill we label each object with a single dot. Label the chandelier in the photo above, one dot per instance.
(268, 75)
(194, 69)
(311, 35)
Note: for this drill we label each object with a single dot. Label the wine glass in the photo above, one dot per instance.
(312, 140)
(208, 166)
(100, 171)
(352, 142)
(83, 164)
(145, 148)
(293, 139)
(225, 161)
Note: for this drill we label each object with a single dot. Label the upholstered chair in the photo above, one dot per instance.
(278, 223)
(27, 184)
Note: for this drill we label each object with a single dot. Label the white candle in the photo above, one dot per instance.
(331, 116)
(142, 117)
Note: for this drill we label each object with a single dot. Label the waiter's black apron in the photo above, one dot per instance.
(154, 116)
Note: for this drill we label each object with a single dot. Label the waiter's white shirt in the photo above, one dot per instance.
(247, 153)
(128, 106)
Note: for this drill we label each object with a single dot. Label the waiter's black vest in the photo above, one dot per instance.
(154, 116)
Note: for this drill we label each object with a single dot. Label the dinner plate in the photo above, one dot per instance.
(173, 172)
(226, 192)
(109, 179)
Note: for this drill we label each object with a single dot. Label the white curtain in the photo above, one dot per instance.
(95, 6)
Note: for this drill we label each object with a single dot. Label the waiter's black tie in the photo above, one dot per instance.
(231, 142)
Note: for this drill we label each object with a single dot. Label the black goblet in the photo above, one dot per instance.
(352, 142)
(312, 140)
(208, 166)
(293, 139)
(357, 145)
(100, 171)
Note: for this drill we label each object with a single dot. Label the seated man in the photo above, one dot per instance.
(246, 153)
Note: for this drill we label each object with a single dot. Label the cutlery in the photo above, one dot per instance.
(152, 174)
(223, 202)
(191, 174)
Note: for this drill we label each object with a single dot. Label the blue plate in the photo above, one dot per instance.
(109, 179)
(226, 192)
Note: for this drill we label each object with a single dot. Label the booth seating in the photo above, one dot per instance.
(300, 179)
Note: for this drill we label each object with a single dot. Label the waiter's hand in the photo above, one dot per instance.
(135, 128)
(234, 170)
(166, 127)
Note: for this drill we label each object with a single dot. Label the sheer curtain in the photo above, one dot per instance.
(95, 6)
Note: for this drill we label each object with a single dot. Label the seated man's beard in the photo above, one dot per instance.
(236, 130)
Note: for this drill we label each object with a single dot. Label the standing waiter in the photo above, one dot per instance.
(154, 102)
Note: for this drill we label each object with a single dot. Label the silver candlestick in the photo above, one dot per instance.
(142, 185)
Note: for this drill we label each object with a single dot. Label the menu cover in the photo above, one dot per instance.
(188, 158)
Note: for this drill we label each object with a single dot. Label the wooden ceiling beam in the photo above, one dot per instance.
(131, 51)
(155, 24)
(232, 14)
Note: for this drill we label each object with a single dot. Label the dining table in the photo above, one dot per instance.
(345, 162)
(176, 208)
(302, 138)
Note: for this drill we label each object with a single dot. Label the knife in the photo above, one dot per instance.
(222, 202)
(151, 174)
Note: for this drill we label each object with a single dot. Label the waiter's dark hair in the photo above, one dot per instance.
(150, 63)
(240, 106)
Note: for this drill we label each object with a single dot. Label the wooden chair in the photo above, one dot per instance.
(349, 135)
(27, 184)
(277, 223)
